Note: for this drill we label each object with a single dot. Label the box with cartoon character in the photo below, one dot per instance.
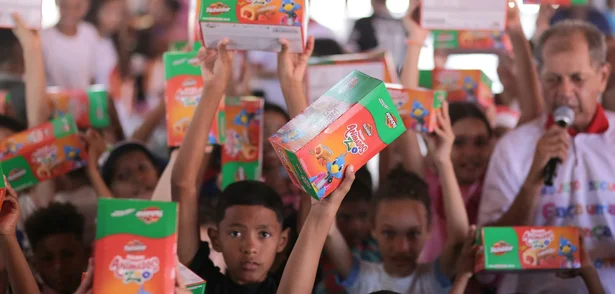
(348, 125)
(90, 107)
(465, 41)
(557, 2)
(461, 85)
(243, 144)
(42, 153)
(255, 24)
(136, 247)
(528, 248)
(183, 89)
(194, 283)
(417, 106)
(323, 72)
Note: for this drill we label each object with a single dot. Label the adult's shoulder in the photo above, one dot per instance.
(522, 137)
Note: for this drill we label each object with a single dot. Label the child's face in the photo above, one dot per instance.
(471, 151)
(353, 222)
(72, 12)
(249, 238)
(60, 259)
(401, 228)
(135, 176)
(273, 121)
(110, 16)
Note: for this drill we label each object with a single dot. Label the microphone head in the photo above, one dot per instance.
(563, 116)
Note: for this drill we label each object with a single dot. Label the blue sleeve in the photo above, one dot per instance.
(353, 276)
(442, 279)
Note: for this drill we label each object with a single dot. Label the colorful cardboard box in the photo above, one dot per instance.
(31, 12)
(323, 72)
(557, 2)
(242, 154)
(466, 41)
(183, 89)
(136, 247)
(461, 85)
(193, 282)
(528, 248)
(42, 153)
(417, 106)
(348, 125)
(90, 107)
(255, 24)
(464, 15)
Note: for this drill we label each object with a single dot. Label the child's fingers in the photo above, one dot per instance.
(10, 191)
(18, 21)
(445, 113)
(222, 46)
(284, 44)
(309, 48)
(349, 176)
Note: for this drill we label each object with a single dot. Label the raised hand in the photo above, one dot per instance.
(292, 66)
(440, 143)
(95, 146)
(216, 65)
(25, 36)
(9, 213)
(334, 200)
(86, 284)
(513, 16)
(411, 22)
(465, 263)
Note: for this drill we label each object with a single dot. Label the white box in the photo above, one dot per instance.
(31, 12)
(464, 14)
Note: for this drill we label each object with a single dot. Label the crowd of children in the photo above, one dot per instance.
(412, 232)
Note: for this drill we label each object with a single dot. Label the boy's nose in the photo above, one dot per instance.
(250, 246)
(401, 244)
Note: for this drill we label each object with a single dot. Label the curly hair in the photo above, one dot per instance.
(57, 218)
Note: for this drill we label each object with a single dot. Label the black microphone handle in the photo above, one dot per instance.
(550, 171)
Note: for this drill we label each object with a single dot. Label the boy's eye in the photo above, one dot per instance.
(265, 235)
(235, 234)
(413, 234)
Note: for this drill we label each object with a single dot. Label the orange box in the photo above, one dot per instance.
(417, 106)
(348, 125)
(90, 107)
(184, 86)
(528, 248)
(455, 42)
(136, 247)
(42, 153)
(31, 12)
(255, 24)
(461, 85)
(323, 72)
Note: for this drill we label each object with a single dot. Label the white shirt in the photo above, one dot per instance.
(73, 62)
(583, 196)
(367, 277)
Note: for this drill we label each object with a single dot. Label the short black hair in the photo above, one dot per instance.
(460, 110)
(326, 47)
(108, 168)
(12, 124)
(249, 193)
(364, 175)
(402, 184)
(57, 218)
(277, 109)
(359, 192)
(7, 50)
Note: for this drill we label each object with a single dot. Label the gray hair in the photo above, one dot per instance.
(596, 41)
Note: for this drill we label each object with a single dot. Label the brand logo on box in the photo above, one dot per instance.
(217, 8)
(16, 174)
(134, 269)
(135, 246)
(149, 215)
(538, 238)
(348, 85)
(354, 140)
(384, 104)
(120, 213)
(391, 120)
(501, 248)
(368, 129)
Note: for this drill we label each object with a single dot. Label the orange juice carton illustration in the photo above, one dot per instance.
(323, 72)
(42, 153)
(464, 15)
(90, 107)
(255, 24)
(242, 151)
(30, 11)
(348, 125)
(461, 85)
(528, 248)
(466, 41)
(417, 106)
(184, 86)
(557, 2)
(193, 282)
(136, 247)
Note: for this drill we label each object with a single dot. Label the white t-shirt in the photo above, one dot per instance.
(583, 196)
(367, 277)
(73, 62)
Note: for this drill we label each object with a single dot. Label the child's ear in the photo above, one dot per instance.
(214, 236)
(283, 240)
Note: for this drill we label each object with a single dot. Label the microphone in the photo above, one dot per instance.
(563, 117)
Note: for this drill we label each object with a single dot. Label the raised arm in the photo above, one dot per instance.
(162, 192)
(95, 145)
(151, 121)
(216, 70)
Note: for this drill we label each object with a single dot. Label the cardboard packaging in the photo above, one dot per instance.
(417, 106)
(242, 154)
(323, 72)
(466, 42)
(528, 248)
(42, 153)
(31, 12)
(193, 282)
(255, 24)
(464, 15)
(461, 85)
(557, 2)
(89, 108)
(136, 247)
(183, 89)
(348, 125)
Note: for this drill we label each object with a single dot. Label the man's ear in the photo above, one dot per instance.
(214, 236)
(605, 73)
(283, 240)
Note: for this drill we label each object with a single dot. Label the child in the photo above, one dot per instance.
(401, 224)
(60, 255)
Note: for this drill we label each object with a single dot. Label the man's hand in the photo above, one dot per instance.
(216, 65)
(9, 213)
(292, 66)
(411, 22)
(26, 37)
(554, 144)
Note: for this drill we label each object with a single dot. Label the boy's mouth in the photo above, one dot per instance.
(250, 266)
